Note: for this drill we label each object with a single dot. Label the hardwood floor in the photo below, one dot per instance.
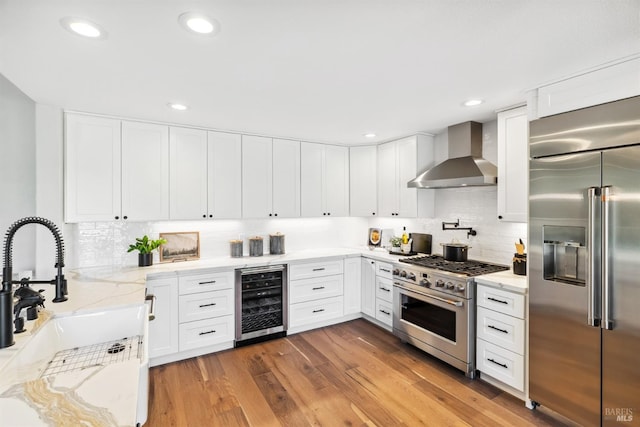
(351, 374)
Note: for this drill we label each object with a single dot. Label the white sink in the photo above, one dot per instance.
(65, 332)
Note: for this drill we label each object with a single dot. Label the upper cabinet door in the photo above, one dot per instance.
(336, 180)
(225, 175)
(286, 178)
(311, 159)
(406, 152)
(145, 171)
(513, 165)
(363, 180)
(92, 168)
(256, 176)
(188, 177)
(387, 180)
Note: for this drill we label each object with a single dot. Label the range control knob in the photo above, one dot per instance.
(450, 286)
(460, 288)
(396, 271)
(411, 276)
(403, 273)
(425, 283)
(439, 283)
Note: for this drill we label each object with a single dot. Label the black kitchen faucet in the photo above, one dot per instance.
(6, 294)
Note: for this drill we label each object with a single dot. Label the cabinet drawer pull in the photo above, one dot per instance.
(497, 300)
(384, 312)
(210, 282)
(318, 310)
(317, 288)
(498, 363)
(318, 269)
(207, 332)
(385, 270)
(504, 331)
(207, 305)
(385, 289)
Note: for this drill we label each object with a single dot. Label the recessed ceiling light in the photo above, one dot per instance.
(473, 102)
(177, 106)
(369, 135)
(199, 23)
(83, 27)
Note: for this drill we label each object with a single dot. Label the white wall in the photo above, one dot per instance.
(17, 165)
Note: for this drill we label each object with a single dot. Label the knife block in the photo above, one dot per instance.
(520, 264)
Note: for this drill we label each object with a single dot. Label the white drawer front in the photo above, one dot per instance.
(384, 289)
(384, 312)
(315, 269)
(384, 269)
(501, 330)
(205, 282)
(315, 288)
(499, 300)
(315, 311)
(203, 333)
(501, 364)
(205, 305)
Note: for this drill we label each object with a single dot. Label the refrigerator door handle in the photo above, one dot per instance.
(593, 261)
(606, 282)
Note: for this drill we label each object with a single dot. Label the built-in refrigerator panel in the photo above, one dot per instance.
(621, 344)
(564, 352)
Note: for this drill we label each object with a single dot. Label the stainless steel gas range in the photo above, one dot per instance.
(434, 306)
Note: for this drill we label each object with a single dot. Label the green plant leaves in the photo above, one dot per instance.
(144, 245)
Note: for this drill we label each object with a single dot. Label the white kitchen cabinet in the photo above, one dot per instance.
(256, 176)
(163, 329)
(286, 178)
(363, 177)
(224, 175)
(270, 177)
(324, 180)
(501, 338)
(352, 285)
(145, 171)
(188, 175)
(398, 163)
(513, 165)
(316, 294)
(368, 287)
(92, 168)
(606, 84)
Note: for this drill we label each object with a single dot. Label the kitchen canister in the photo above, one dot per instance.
(520, 264)
(276, 244)
(255, 246)
(236, 248)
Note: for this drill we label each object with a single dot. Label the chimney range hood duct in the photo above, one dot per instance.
(465, 166)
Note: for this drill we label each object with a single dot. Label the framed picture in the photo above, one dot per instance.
(181, 246)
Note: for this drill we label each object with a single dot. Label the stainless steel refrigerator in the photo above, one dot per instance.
(584, 264)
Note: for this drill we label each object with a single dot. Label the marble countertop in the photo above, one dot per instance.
(505, 280)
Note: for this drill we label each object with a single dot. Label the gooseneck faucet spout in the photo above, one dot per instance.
(6, 294)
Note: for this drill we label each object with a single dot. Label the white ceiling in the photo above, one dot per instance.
(327, 70)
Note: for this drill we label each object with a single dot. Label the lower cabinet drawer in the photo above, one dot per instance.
(315, 288)
(501, 330)
(315, 311)
(384, 289)
(207, 332)
(384, 312)
(500, 364)
(206, 305)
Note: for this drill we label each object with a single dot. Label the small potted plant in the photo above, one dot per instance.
(395, 243)
(146, 247)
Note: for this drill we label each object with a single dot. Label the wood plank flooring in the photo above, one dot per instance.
(351, 374)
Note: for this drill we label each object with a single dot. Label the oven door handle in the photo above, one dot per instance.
(448, 301)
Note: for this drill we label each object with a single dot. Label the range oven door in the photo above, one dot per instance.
(440, 324)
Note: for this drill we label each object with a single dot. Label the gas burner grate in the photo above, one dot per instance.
(102, 354)
(467, 268)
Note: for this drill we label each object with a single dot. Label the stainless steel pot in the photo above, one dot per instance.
(455, 251)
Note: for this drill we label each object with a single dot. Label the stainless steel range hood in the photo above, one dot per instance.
(465, 166)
